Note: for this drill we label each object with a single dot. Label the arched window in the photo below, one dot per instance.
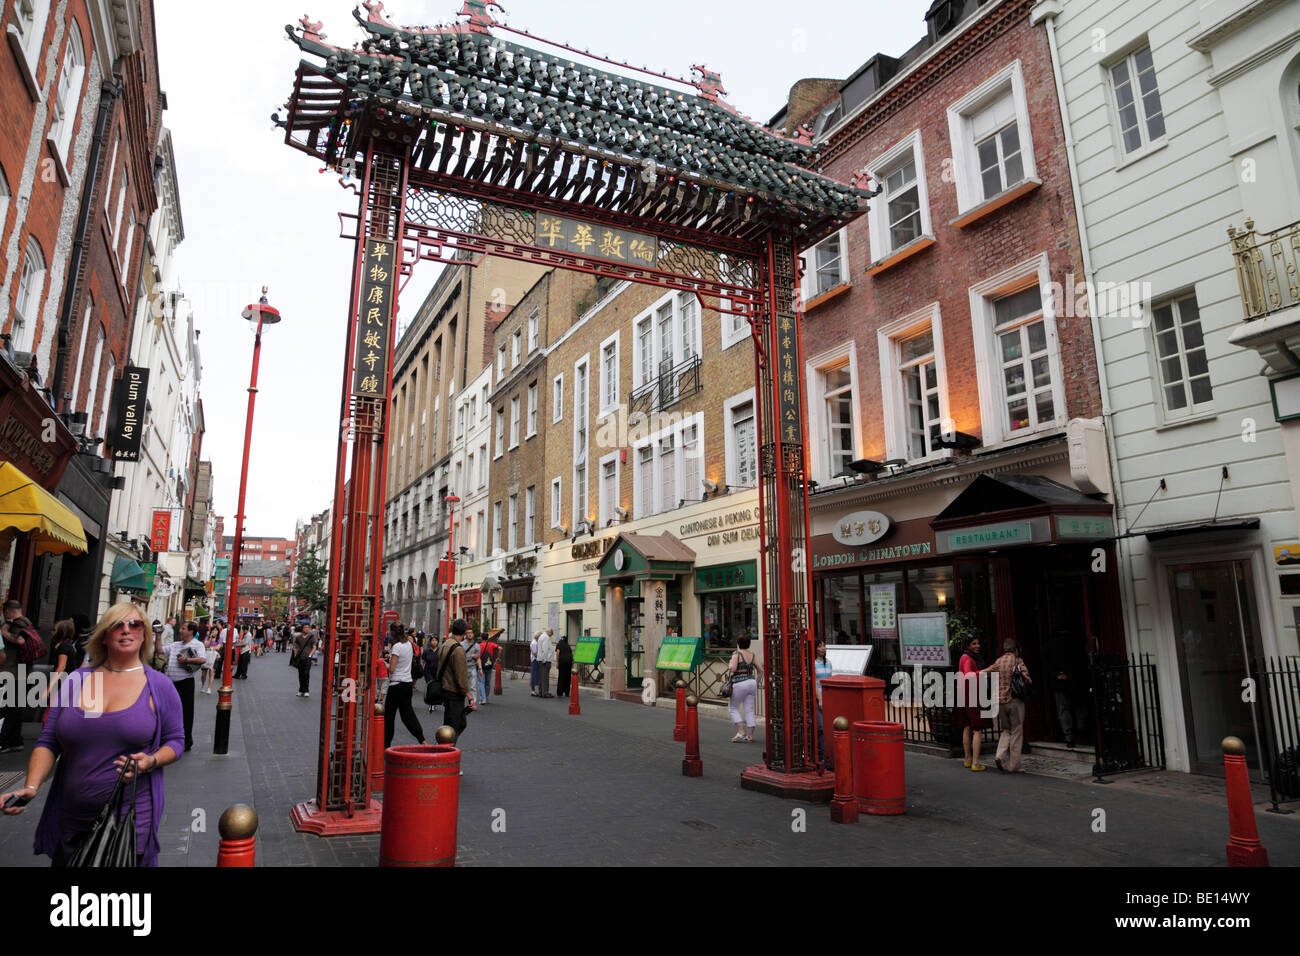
(107, 397)
(31, 284)
(4, 198)
(67, 95)
(81, 354)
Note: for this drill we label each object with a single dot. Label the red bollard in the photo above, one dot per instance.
(1244, 848)
(421, 805)
(692, 766)
(496, 680)
(377, 748)
(844, 805)
(878, 780)
(679, 728)
(238, 826)
(574, 706)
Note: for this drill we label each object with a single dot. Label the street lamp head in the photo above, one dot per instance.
(261, 312)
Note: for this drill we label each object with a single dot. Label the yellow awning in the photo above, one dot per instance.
(26, 506)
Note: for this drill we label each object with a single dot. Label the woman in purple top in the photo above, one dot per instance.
(112, 710)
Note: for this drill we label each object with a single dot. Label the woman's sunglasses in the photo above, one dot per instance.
(131, 625)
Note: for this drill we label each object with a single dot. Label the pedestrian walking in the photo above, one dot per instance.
(304, 646)
(68, 655)
(1011, 709)
(245, 653)
(488, 653)
(184, 657)
(564, 662)
(429, 660)
(400, 688)
(532, 664)
(455, 677)
(473, 655)
(822, 669)
(23, 645)
(128, 713)
(545, 657)
(212, 660)
(744, 687)
(969, 718)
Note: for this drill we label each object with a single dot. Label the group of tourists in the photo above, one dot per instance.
(457, 673)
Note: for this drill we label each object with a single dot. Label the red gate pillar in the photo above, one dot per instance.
(343, 803)
(790, 767)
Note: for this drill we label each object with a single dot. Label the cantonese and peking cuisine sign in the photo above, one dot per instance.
(374, 322)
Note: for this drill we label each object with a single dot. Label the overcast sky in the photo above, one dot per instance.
(258, 212)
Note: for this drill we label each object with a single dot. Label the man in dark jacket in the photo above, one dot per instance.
(455, 676)
(303, 646)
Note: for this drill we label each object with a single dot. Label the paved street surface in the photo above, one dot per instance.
(605, 788)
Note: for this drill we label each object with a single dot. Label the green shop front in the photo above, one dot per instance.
(653, 594)
(1011, 556)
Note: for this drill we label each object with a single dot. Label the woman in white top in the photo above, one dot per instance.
(400, 687)
(744, 687)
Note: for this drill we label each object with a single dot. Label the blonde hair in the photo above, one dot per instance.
(96, 653)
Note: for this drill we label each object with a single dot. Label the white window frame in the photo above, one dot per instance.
(27, 27)
(512, 528)
(516, 347)
(514, 422)
(1192, 409)
(482, 466)
(534, 322)
(609, 390)
(530, 515)
(81, 350)
(807, 284)
(970, 192)
(1147, 141)
(4, 196)
(67, 95)
(659, 504)
(557, 502)
(606, 506)
(581, 423)
(501, 364)
(531, 424)
(581, 498)
(988, 366)
(729, 407)
(27, 301)
(878, 218)
(108, 392)
(894, 399)
(499, 448)
(678, 333)
(557, 398)
(814, 382)
(496, 526)
(735, 328)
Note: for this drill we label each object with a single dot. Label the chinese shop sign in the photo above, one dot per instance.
(375, 320)
(161, 530)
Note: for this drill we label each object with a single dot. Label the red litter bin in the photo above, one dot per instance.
(878, 767)
(853, 697)
(421, 803)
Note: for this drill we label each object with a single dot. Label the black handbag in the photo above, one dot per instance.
(1021, 688)
(417, 667)
(111, 841)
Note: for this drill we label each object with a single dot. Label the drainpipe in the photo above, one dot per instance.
(108, 94)
(1046, 13)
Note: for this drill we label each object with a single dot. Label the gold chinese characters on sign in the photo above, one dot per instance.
(599, 242)
(789, 410)
(370, 373)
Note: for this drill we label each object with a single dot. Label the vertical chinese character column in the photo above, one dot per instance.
(342, 803)
(791, 734)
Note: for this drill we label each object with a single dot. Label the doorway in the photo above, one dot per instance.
(1216, 634)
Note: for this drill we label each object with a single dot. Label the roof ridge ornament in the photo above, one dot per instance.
(375, 13)
(311, 31)
(709, 84)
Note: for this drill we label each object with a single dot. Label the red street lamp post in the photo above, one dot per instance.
(256, 315)
(448, 571)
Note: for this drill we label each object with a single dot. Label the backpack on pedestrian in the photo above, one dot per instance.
(34, 650)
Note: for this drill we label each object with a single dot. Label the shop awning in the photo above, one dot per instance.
(27, 507)
(194, 588)
(128, 576)
(998, 511)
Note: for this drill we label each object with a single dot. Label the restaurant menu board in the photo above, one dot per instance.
(680, 653)
(923, 639)
(884, 612)
(589, 650)
(849, 658)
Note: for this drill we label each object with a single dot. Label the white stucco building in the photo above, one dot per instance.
(1182, 122)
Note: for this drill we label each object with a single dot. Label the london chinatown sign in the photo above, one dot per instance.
(466, 145)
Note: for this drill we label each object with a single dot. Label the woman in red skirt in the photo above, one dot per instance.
(969, 718)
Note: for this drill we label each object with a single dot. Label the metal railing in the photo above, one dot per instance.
(1268, 268)
(1126, 715)
(1277, 704)
(672, 384)
(927, 724)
